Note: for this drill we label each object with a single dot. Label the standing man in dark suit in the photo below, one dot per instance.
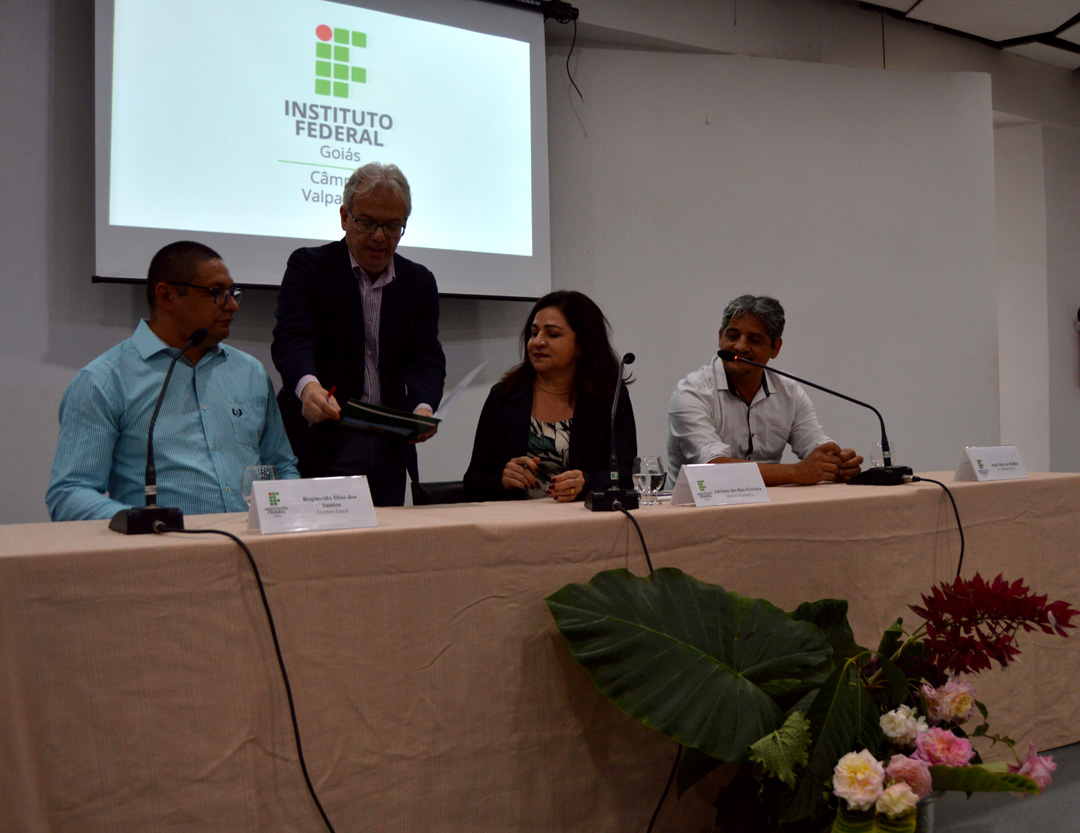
(357, 321)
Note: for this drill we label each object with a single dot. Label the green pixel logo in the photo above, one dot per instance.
(274, 498)
(701, 485)
(334, 70)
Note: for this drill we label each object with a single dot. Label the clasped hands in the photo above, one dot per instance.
(520, 473)
(828, 462)
(318, 404)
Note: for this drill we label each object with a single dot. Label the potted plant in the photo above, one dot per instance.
(826, 733)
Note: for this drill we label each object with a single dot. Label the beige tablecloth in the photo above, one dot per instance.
(139, 690)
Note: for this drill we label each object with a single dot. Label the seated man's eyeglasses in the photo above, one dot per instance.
(367, 226)
(220, 294)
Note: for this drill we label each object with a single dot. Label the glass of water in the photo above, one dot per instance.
(253, 473)
(648, 479)
(877, 459)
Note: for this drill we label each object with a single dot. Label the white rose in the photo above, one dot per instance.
(896, 801)
(902, 725)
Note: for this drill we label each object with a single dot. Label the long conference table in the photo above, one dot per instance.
(139, 688)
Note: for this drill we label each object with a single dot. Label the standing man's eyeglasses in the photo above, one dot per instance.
(367, 226)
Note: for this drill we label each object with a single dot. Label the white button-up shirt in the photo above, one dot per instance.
(707, 420)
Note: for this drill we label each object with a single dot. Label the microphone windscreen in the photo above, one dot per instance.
(727, 355)
(628, 358)
(198, 336)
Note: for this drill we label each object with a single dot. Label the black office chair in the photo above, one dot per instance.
(438, 491)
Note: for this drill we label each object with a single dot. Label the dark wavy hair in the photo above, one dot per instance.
(598, 362)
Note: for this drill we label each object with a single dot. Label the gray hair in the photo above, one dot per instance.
(375, 176)
(767, 310)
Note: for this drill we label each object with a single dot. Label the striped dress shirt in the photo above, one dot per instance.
(371, 300)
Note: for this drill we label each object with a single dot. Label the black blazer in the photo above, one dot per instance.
(503, 433)
(320, 331)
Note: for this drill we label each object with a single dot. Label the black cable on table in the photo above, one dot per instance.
(641, 537)
(959, 526)
(678, 754)
(161, 528)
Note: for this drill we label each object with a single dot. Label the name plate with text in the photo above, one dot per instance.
(313, 503)
(990, 462)
(719, 484)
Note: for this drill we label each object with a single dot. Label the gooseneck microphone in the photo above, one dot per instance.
(605, 500)
(136, 521)
(887, 475)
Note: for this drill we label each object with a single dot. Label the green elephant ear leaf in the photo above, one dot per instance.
(686, 658)
(981, 779)
(890, 640)
(831, 616)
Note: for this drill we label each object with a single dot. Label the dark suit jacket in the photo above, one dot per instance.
(320, 330)
(503, 433)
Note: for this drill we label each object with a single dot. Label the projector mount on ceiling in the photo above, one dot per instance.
(555, 10)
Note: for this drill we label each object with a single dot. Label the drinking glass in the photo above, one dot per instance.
(253, 473)
(877, 459)
(648, 479)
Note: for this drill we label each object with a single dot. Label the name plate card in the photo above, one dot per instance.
(990, 462)
(719, 484)
(314, 503)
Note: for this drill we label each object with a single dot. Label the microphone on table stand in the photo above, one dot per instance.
(136, 521)
(614, 497)
(886, 475)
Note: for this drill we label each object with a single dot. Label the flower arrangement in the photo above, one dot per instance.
(968, 625)
(820, 732)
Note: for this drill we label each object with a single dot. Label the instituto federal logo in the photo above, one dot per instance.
(274, 498)
(334, 70)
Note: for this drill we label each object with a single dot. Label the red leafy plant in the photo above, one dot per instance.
(970, 622)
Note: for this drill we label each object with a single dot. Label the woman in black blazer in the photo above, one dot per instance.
(544, 430)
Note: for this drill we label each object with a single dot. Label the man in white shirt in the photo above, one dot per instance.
(732, 412)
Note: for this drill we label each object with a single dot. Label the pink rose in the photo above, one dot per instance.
(1036, 768)
(954, 702)
(940, 746)
(911, 771)
(858, 778)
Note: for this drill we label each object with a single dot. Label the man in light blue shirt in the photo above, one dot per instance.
(218, 416)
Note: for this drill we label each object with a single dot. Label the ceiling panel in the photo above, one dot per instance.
(1048, 55)
(896, 5)
(997, 20)
(1072, 34)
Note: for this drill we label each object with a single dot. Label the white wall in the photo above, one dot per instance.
(1061, 160)
(52, 320)
(862, 199)
(1023, 354)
